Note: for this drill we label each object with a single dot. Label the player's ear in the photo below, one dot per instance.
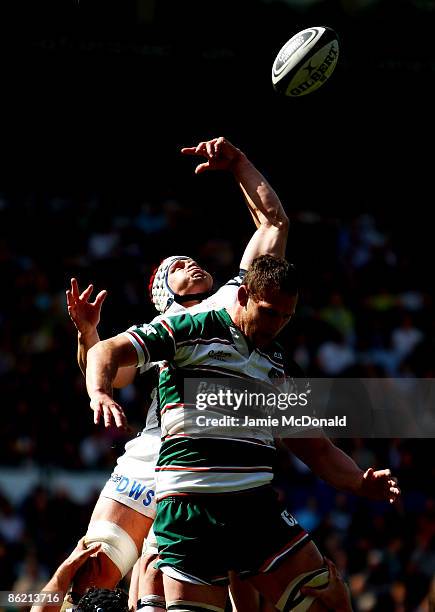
(242, 295)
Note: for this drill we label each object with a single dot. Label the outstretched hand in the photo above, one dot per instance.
(379, 485)
(219, 153)
(79, 555)
(105, 406)
(84, 314)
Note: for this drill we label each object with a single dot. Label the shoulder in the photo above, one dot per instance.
(291, 368)
(204, 323)
(224, 297)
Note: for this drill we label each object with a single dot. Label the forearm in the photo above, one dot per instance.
(328, 462)
(85, 341)
(103, 360)
(58, 586)
(262, 201)
(269, 240)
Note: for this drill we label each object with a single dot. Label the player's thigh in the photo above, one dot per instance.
(150, 578)
(178, 590)
(273, 584)
(244, 597)
(103, 570)
(137, 525)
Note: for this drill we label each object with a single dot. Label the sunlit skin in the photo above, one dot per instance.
(261, 320)
(186, 276)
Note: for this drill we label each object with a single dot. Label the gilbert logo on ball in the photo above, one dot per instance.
(305, 62)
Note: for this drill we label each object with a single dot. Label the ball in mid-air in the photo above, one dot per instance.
(305, 62)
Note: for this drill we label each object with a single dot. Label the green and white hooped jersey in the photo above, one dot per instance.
(224, 297)
(192, 345)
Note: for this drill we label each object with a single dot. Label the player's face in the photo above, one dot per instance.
(265, 318)
(186, 276)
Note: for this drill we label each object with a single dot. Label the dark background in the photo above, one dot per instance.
(96, 100)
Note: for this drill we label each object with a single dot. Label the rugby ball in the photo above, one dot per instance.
(305, 62)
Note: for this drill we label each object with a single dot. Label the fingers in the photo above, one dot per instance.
(368, 474)
(81, 544)
(218, 144)
(86, 553)
(394, 492)
(382, 473)
(202, 167)
(86, 293)
(69, 299)
(310, 592)
(111, 412)
(188, 150)
(75, 288)
(100, 298)
(383, 485)
(120, 418)
(208, 148)
(332, 568)
(114, 413)
(98, 411)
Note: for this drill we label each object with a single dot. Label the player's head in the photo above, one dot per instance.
(267, 298)
(178, 279)
(103, 600)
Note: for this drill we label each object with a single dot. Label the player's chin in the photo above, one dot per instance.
(198, 285)
(202, 282)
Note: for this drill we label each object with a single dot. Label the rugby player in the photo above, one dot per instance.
(126, 508)
(213, 492)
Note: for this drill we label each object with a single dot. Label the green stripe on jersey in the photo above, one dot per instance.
(196, 346)
(208, 452)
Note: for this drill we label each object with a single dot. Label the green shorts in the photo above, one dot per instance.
(202, 537)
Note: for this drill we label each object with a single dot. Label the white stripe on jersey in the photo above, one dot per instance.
(188, 481)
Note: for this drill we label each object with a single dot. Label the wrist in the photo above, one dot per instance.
(62, 578)
(88, 336)
(239, 163)
(357, 484)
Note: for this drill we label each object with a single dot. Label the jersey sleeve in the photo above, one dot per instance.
(237, 280)
(157, 341)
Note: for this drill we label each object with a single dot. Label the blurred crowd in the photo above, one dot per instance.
(365, 310)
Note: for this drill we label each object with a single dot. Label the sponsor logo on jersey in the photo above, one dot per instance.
(219, 355)
(274, 373)
(133, 489)
(289, 518)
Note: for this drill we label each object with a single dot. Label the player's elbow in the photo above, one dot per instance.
(102, 352)
(284, 223)
(276, 224)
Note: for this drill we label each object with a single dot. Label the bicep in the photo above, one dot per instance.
(124, 377)
(267, 240)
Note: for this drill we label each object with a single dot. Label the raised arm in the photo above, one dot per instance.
(336, 468)
(58, 585)
(263, 203)
(86, 316)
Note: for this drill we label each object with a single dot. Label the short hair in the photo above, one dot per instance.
(268, 276)
(103, 600)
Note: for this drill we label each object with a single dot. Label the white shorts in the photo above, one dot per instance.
(132, 482)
